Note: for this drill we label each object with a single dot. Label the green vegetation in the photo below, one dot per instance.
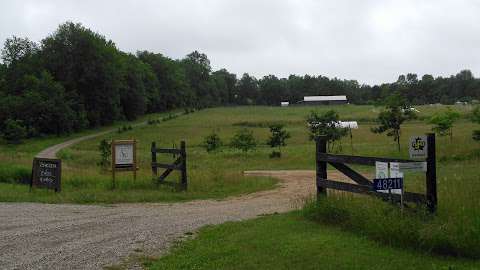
(243, 140)
(76, 78)
(476, 119)
(444, 122)
(391, 120)
(325, 124)
(288, 241)
(212, 142)
(278, 139)
(454, 230)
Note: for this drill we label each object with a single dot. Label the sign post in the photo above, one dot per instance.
(124, 157)
(47, 172)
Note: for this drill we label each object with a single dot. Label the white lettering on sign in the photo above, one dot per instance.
(395, 173)
(418, 147)
(48, 165)
(124, 154)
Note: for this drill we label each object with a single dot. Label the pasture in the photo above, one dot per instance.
(455, 230)
(219, 174)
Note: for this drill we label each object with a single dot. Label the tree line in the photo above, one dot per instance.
(75, 78)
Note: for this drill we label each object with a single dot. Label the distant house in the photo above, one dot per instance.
(323, 100)
(284, 103)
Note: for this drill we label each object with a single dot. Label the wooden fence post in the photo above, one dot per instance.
(154, 160)
(183, 154)
(431, 175)
(321, 147)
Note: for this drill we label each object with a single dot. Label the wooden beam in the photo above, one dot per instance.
(358, 159)
(367, 190)
(167, 150)
(358, 178)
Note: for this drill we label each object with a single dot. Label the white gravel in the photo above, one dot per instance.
(46, 236)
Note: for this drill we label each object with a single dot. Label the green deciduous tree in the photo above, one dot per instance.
(14, 131)
(390, 120)
(443, 122)
(243, 140)
(278, 138)
(212, 142)
(325, 124)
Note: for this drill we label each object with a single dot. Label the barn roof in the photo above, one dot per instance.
(325, 98)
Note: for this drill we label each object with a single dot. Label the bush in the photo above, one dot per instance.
(153, 121)
(278, 139)
(105, 149)
(212, 142)
(14, 131)
(124, 128)
(243, 140)
(476, 135)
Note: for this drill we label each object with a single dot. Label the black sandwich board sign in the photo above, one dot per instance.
(47, 173)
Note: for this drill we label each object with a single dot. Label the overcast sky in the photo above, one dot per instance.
(370, 41)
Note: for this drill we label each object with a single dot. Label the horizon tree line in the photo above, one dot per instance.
(75, 79)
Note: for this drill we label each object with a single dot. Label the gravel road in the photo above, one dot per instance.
(46, 236)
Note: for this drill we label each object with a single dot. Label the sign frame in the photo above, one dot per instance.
(36, 181)
(124, 166)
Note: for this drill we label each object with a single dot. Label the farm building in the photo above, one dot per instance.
(323, 100)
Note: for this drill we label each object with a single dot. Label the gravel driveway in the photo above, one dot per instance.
(47, 236)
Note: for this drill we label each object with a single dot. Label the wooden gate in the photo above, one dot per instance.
(364, 185)
(179, 164)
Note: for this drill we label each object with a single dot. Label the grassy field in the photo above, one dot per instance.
(217, 175)
(291, 242)
(454, 230)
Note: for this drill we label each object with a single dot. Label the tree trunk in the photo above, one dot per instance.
(398, 141)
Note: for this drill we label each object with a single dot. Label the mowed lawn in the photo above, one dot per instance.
(289, 241)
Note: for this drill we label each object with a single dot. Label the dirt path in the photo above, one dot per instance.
(51, 152)
(46, 236)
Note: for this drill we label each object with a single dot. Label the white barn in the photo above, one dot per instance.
(323, 100)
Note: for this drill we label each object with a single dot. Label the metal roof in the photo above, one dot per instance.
(325, 98)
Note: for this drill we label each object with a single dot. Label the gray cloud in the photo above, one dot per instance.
(371, 41)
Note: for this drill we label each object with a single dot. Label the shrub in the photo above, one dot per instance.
(278, 139)
(153, 121)
(105, 149)
(476, 135)
(244, 140)
(14, 131)
(443, 122)
(212, 142)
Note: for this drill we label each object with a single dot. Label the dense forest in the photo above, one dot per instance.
(76, 78)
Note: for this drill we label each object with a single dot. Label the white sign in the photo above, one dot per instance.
(381, 169)
(413, 166)
(124, 154)
(418, 147)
